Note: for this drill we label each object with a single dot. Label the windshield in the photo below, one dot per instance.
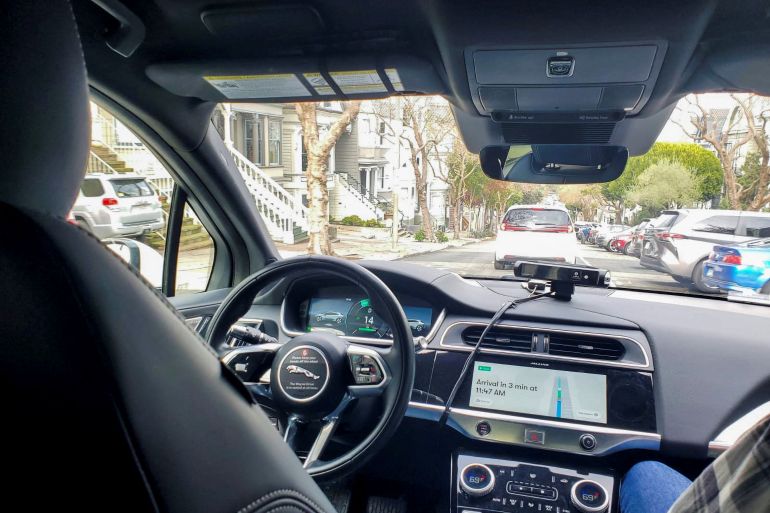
(391, 180)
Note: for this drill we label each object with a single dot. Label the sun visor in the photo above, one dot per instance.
(617, 77)
(298, 79)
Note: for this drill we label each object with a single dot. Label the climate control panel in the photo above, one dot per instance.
(484, 484)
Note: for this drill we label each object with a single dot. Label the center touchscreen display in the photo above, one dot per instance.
(545, 392)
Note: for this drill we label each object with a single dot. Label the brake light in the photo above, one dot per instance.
(513, 228)
(732, 259)
(109, 202)
(669, 236)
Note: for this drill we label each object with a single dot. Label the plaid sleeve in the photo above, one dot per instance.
(736, 482)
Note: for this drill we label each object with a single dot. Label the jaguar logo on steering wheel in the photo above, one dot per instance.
(296, 369)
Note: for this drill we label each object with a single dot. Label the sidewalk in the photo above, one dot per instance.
(357, 243)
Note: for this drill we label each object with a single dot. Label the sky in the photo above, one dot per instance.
(672, 133)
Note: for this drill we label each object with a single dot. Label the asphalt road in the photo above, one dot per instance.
(476, 260)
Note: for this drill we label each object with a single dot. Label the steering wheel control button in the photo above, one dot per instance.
(303, 373)
(477, 480)
(534, 436)
(589, 497)
(483, 428)
(587, 442)
(366, 370)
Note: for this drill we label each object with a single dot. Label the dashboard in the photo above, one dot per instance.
(607, 374)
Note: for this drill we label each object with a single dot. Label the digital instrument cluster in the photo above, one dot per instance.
(343, 311)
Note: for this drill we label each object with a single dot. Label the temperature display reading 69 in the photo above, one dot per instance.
(356, 317)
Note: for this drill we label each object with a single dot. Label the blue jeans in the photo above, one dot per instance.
(651, 487)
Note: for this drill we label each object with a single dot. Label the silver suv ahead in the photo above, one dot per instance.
(118, 206)
(679, 241)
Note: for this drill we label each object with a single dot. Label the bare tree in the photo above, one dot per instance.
(459, 167)
(318, 149)
(421, 124)
(726, 133)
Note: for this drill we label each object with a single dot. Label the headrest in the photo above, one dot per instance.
(44, 111)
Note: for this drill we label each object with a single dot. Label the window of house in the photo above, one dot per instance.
(381, 131)
(304, 152)
(274, 142)
(130, 214)
(253, 138)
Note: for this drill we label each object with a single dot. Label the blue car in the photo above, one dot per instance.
(743, 268)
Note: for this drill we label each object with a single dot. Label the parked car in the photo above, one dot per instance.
(118, 206)
(602, 238)
(679, 241)
(593, 232)
(330, 317)
(534, 232)
(634, 247)
(620, 241)
(579, 226)
(741, 268)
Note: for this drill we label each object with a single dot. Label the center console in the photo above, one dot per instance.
(482, 484)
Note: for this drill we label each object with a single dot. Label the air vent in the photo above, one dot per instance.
(502, 338)
(585, 346)
(557, 133)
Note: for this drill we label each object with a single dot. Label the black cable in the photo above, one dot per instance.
(498, 315)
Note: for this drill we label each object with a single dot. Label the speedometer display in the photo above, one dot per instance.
(338, 310)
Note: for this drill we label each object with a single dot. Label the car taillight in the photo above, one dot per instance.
(513, 228)
(732, 259)
(669, 236)
(109, 202)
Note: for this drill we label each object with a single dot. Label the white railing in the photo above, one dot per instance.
(164, 185)
(97, 165)
(356, 193)
(281, 212)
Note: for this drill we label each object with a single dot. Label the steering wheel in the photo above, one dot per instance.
(315, 377)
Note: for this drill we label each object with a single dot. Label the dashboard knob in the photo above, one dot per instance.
(589, 497)
(477, 480)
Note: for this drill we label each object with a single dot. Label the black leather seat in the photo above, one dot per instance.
(109, 401)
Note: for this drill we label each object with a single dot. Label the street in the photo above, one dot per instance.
(476, 260)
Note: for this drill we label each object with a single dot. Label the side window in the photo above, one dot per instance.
(754, 226)
(196, 255)
(125, 202)
(91, 188)
(724, 225)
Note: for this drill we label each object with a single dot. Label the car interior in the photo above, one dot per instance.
(122, 395)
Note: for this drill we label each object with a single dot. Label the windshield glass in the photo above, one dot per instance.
(391, 180)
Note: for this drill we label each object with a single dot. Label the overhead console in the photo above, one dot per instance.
(522, 84)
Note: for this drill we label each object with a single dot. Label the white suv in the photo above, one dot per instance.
(118, 206)
(534, 232)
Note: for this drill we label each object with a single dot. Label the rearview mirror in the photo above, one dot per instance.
(554, 163)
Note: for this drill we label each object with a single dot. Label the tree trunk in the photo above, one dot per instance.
(319, 242)
(618, 212)
(421, 188)
(458, 218)
(761, 196)
(731, 184)
(318, 151)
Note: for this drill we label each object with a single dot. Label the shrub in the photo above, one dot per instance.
(441, 237)
(352, 221)
(419, 235)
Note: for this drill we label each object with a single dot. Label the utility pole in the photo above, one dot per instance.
(396, 187)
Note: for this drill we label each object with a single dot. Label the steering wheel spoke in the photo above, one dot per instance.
(328, 427)
(371, 373)
(251, 363)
